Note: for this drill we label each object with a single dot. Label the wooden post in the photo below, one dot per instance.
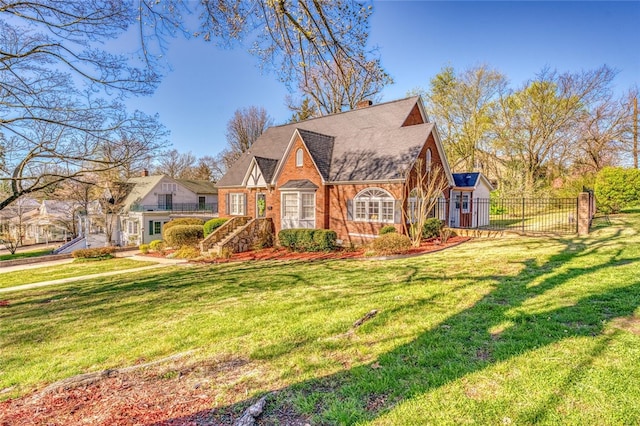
(584, 219)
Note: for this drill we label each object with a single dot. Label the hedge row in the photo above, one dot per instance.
(94, 253)
(308, 239)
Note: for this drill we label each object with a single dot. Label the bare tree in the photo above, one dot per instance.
(604, 128)
(174, 164)
(337, 87)
(243, 129)
(59, 93)
(424, 185)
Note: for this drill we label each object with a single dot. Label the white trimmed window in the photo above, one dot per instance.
(299, 158)
(169, 187)
(428, 159)
(374, 205)
(236, 204)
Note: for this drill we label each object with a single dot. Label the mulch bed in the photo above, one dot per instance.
(178, 394)
(279, 253)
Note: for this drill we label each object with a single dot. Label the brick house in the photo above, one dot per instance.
(344, 172)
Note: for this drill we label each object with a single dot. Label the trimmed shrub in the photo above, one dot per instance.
(186, 252)
(181, 221)
(184, 235)
(213, 224)
(156, 245)
(324, 240)
(144, 248)
(308, 239)
(617, 188)
(391, 244)
(431, 227)
(388, 229)
(94, 253)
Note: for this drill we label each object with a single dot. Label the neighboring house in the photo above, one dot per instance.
(55, 221)
(470, 195)
(13, 218)
(346, 172)
(153, 201)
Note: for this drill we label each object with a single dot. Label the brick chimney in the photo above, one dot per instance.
(364, 104)
(144, 173)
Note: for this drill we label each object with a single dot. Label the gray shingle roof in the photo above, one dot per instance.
(299, 184)
(198, 186)
(267, 167)
(362, 144)
(321, 148)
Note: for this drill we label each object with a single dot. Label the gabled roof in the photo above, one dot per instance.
(470, 180)
(363, 144)
(140, 186)
(267, 167)
(466, 179)
(198, 186)
(320, 148)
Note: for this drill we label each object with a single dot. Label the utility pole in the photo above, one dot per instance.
(635, 132)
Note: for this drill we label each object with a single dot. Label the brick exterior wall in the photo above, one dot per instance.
(331, 200)
(309, 172)
(414, 117)
(352, 231)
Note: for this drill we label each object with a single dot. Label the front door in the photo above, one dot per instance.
(261, 205)
(298, 210)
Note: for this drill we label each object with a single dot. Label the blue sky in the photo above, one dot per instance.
(415, 39)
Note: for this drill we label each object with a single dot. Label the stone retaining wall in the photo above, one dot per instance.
(247, 237)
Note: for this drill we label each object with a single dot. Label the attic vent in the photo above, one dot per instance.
(364, 104)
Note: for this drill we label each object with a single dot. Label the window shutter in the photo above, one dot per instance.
(349, 209)
(244, 207)
(150, 227)
(227, 208)
(397, 211)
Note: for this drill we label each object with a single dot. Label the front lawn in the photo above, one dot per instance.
(509, 331)
(74, 269)
(25, 254)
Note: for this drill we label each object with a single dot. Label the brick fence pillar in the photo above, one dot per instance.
(584, 213)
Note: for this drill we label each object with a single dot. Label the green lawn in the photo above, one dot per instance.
(509, 331)
(75, 269)
(25, 254)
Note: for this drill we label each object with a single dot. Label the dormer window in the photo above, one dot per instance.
(299, 161)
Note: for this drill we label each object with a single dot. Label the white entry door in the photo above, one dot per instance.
(298, 210)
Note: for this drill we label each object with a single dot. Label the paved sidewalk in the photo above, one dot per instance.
(160, 263)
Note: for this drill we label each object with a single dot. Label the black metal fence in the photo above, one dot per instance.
(528, 215)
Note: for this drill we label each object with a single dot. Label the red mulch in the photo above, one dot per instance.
(278, 253)
(151, 397)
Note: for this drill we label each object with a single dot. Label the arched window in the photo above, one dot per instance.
(299, 157)
(428, 159)
(374, 205)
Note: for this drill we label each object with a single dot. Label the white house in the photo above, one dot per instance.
(470, 204)
(155, 200)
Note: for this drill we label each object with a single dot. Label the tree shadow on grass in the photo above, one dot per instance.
(495, 329)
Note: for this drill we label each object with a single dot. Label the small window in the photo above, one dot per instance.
(299, 157)
(157, 228)
(428, 160)
(236, 204)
